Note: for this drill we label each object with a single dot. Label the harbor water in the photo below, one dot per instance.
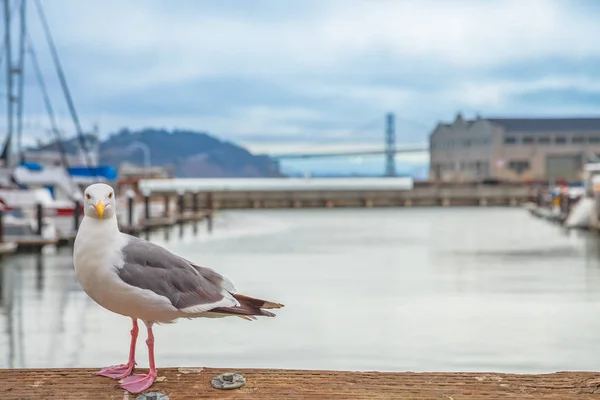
(422, 289)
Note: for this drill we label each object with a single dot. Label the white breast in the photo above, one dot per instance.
(97, 256)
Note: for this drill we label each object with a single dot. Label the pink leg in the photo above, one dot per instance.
(138, 383)
(123, 370)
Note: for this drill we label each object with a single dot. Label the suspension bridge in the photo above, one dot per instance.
(389, 150)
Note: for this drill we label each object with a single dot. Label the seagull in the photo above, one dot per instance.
(142, 280)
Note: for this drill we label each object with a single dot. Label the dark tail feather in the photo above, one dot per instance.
(256, 302)
(249, 307)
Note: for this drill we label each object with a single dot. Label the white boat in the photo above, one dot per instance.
(580, 216)
(58, 189)
(30, 184)
(21, 229)
(24, 188)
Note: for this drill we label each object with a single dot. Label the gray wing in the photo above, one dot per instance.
(189, 287)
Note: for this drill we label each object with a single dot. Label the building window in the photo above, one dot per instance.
(510, 140)
(519, 166)
(594, 139)
(481, 168)
(560, 140)
(467, 143)
(578, 139)
(528, 140)
(544, 140)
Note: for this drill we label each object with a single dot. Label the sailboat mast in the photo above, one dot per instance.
(21, 72)
(9, 80)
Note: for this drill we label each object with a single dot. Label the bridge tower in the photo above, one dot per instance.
(390, 145)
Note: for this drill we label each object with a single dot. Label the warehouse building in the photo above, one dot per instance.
(512, 149)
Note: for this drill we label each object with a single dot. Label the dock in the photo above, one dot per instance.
(194, 383)
(256, 193)
(184, 217)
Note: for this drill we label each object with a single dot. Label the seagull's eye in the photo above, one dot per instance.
(110, 195)
(87, 196)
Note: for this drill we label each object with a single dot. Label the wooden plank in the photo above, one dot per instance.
(291, 384)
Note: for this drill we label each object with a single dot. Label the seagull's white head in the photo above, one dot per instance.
(99, 201)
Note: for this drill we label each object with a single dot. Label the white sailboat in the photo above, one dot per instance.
(50, 178)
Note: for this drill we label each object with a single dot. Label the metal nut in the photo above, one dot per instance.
(152, 396)
(228, 381)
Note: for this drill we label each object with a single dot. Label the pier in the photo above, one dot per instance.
(250, 193)
(162, 203)
(181, 209)
(194, 383)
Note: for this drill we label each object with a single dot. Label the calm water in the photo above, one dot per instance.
(380, 289)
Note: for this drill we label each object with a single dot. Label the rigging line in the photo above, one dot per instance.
(47, 102)
(48, 105)
(63, 82)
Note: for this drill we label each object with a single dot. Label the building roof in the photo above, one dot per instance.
(547, 124)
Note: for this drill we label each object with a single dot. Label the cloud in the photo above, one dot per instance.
(269, 71)
(194, 40)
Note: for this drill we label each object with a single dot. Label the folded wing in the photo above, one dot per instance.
(190, 288)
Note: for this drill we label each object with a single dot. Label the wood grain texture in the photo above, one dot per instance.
(290, 384)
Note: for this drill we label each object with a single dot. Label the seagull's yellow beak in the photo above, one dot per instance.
(100, 208)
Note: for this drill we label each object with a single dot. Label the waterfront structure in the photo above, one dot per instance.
(234, 193)
(512, 149)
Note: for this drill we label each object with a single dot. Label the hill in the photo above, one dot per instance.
(191, 154)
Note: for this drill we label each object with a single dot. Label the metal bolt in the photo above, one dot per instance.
(153, 396)
(228, 381)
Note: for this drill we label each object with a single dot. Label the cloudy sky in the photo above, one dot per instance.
(273, 73)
